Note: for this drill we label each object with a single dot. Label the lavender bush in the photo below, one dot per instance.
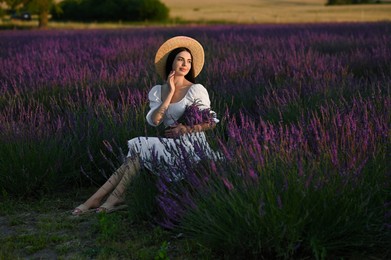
(293, 191)
(305, 116)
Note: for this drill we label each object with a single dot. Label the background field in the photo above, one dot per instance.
(243, 12)
(275, 11)
(304, 112)
(305, 126)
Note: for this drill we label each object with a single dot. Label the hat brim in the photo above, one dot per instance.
(196, 49)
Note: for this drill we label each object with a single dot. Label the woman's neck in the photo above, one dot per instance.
(181, 82)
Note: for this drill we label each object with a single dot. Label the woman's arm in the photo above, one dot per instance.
(200, 127)
(182, 129)
(158, 115)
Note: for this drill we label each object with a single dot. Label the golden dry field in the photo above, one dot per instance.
(275, 11)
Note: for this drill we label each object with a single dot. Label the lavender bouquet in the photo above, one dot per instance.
(193, 115)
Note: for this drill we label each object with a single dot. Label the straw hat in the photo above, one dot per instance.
(179, 41)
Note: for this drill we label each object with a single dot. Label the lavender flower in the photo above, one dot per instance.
(194, 115)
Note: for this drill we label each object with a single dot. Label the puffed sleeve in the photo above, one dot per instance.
(154, 102)
(200, 95)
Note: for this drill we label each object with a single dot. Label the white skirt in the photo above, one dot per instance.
(157, 153)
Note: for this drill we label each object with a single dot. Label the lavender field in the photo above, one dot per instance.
(305, 129)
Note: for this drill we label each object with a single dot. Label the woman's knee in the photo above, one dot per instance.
(133, 160)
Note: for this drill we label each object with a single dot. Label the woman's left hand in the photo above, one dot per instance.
(175, 131)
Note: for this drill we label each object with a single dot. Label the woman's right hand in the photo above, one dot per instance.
(171, 82)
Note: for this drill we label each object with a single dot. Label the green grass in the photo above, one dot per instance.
(45, 229)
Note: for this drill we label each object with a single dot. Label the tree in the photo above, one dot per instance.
(40, 7)
(112, 10)
(14, 5)
(147, 10)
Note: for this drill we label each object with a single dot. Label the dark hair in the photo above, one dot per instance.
(170, 60)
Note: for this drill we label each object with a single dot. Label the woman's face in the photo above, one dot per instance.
(182, 63)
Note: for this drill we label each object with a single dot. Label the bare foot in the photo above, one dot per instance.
(86, 207)
(110, 205)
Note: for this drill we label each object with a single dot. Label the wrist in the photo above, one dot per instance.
(189, 129)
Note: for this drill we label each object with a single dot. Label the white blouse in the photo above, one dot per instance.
(196, 92)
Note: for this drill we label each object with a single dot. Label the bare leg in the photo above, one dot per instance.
(117, 195)
(129, 167)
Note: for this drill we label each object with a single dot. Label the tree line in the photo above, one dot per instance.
(90, 10)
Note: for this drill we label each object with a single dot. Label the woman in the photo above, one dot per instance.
(179, 60)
